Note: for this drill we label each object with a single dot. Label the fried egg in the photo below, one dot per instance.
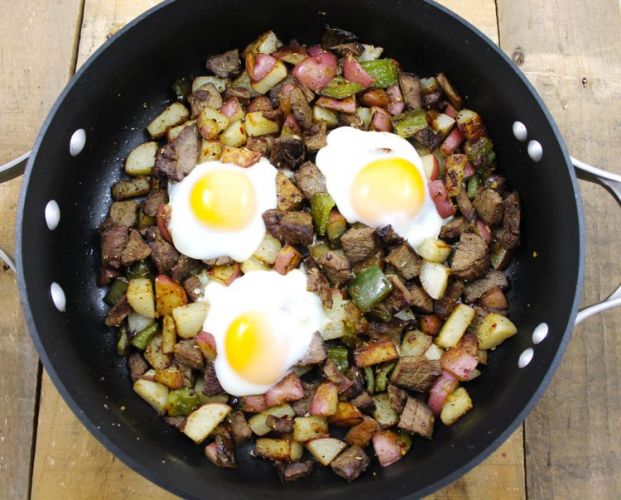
(216, 210)
(377, 178)
(263, 324)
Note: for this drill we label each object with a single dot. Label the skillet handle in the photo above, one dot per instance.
(612, 182)
(9, 171)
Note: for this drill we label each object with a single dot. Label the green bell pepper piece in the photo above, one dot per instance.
(473, 186)
(182, 88)
(339, 88)
(409, 123)
(142, 338)
(321, 206)
(381, 376)
(140, 269)
(406, 441)
(369, 288)
(117, 290)
(369, 379)
(122, 345)
(383, 72)
(480, 153)
(182, 402)
(340, 355)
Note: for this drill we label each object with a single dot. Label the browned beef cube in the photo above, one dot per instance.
(465, 206)
(164, 255)
(317, 282)
(282, 425)
(123, 213)
(188, 353)
(315, 137)
(405, 261)
(444, 307)
(359, 243)
(350, 463)
(301, 407)
(310, 180)
(316, 352)
(225, 65)
(176, 422)
(397, 398)
(193, 287)
(113, 241)
(471, 257)
(156, 198)
(300, 107)
(240, 430)
(410, 89)
(494, 279)
(117, 314)
(421, 301)
(212, 384)
(389, 236)
(511, 222)
(182, 268)
(364, 402)
(224, 453)
(415, 373)
(400, 297)
(336, 267)
(488, 205)
(417, 418)
(288, 152)
(451, 231)
(294, 470)
(135, 250)
(137, 366)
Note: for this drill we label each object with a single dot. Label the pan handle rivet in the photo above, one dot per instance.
(52, 215)
(58, 296)
(535, 151)
(526, 357)
(519, 131)
(540, 332)
(77, 142)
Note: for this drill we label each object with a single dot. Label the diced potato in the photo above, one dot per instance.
(224, 274)
(219, 83)
(347, 415)
(365, 116)
(173, 115)
(274, 77)
(243, 81)
(168, 295)
(207, 344)
(287, 259)
(267, 43)
(434, 352)
(211, 122)
(174, 132)
(253, 265)
(361, 434)
(325, 400)
(494, 330)
(415, 343)
(434, 250)
(235, 135)
(443, 124)
(242, 157)
(140, 297)
(434, 278)
(325, 115)
(455, 326)
(457, 404)
(169, 334)
(257, 422)
(336, 326)
(431, 166)
(268, 250)
(141, 160)
(153, 393)
(171, 377)
(203, 398)
(309, 428)
(384, 413)
(375, 352)
(278, 449)
(324, 450)
(257, 125)
(209, 150)
(154, 355)
(189, 319)
(201, 422)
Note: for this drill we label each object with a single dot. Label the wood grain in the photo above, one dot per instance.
(31, 75)
(571, 52)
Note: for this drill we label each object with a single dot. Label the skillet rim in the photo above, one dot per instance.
(137, 466)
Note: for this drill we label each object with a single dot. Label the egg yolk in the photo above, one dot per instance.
(224, 200)
(387, 186)
(252, 350)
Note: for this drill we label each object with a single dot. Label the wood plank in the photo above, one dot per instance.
(36, 54)
(572, 439)
(67, 453)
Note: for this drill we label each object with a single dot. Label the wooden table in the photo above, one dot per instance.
(569, 447)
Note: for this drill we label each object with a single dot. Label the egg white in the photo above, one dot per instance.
(294, 315)
(195, 239)
(348, 150)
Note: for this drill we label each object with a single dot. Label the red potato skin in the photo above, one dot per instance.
(254, 404)
(442, 387)
(288, 389)
(292, 124)
(316, 71)
(430, 324)
(452, 142)
(375, 97)
(469, 171)
(325, 400)
(484, 231)
(230, 107)
(450, 111)
(259, 65)
(441, 199)
(354, 72)
(396, 104)
(380, 120)
(290, 49)
(207, 344)
(347, 105)
(459, 363)
(287, 259)
(163, 219)
(387, 448)
(168, 293)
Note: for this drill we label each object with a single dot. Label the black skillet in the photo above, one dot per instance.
(105, 100)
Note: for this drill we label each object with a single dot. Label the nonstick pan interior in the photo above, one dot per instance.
(117, 93)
